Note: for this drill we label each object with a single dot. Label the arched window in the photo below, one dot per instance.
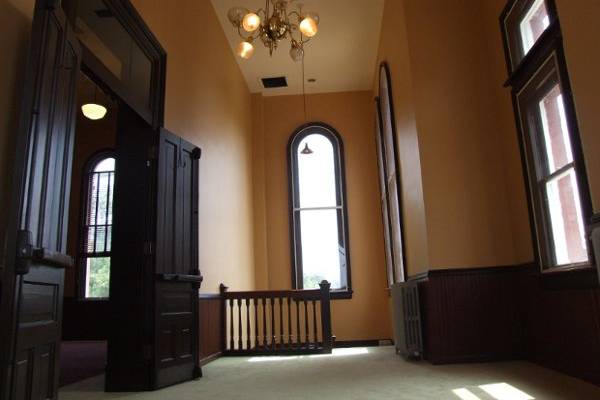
(96, 229)
(318, 215)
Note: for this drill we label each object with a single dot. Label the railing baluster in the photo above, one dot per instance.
(240, 330)
(264, 335)
(316, 341)
(280, 322)
(231, 339)
(273, 323)
(255, 301)
(248, 330)
(298, 323)
(306, 323)
(289, 343)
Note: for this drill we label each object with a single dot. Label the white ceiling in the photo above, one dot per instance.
(341, 57)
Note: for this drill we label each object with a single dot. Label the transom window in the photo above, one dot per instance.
(96, 232)
(318, 210)
(524, 22)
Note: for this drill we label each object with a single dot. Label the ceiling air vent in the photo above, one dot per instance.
(277, 82)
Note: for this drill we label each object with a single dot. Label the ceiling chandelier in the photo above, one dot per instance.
(272, 24)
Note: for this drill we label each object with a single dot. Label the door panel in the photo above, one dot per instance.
(39, 212)
(177, 275)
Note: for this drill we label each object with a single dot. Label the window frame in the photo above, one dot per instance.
(390, 157)
(542, 67)
(340, 176)
(82, 256)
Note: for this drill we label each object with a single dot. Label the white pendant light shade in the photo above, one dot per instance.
(297, 53)
(309, 24)
(251, 22)
(245, 50)
(93, 111)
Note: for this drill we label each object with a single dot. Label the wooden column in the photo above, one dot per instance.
(222, 291)
(326, 316)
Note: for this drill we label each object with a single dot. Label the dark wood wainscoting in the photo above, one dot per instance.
(514, 312)
(85, 319)
(210, 327)
(472, 314)
(564, 326)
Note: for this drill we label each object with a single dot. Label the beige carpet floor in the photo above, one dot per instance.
(359, 373)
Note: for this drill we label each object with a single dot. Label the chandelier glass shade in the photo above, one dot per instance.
(272, 24)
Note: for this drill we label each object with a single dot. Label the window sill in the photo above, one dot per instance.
(575, 276)
(341, 294)
(92, 300)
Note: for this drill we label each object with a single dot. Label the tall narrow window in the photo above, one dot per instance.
(389, 176)
(551, 147)
(96, 231)
(318, 210)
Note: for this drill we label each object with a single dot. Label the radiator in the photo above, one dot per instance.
(407, 319)
(596, 244)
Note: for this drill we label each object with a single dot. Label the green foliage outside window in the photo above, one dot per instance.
(312, 281)
(98, 277)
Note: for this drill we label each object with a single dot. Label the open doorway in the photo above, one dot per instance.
(106, 52)
(86, 314)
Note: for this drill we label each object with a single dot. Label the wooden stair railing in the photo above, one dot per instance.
(276, 322)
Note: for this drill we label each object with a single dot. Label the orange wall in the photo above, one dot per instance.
(448, 103)
(208, 103)
(366, 315)
(463, 182)
(15, 29)
(579, 22)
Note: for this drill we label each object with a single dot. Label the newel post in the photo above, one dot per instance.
(326, 316)
(222, 291)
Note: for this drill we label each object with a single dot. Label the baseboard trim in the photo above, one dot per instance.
(359, 343)
(210, 358)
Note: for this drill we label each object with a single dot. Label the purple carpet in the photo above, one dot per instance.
(81, 360)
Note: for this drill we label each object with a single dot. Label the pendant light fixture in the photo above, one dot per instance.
(94, 111)
(306, 150)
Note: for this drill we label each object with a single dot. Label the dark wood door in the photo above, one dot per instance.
(177, 274)
(33, 280)
(130, 332)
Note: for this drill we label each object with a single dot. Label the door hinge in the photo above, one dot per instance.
(24, 252)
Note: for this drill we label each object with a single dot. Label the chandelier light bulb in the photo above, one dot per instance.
(236, 15)
(251, 22)
(309, 25)
(245, 50)
(93, 111)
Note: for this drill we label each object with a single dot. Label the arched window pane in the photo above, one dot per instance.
(106, 165)
(316, 172)
(97, 229)
(318, 209)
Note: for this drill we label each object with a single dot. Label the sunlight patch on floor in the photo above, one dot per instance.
(465, 394)
(353, 351)
(499, 391)
(504, 391)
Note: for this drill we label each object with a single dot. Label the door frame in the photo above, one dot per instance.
(154, 115)
(139, 31)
